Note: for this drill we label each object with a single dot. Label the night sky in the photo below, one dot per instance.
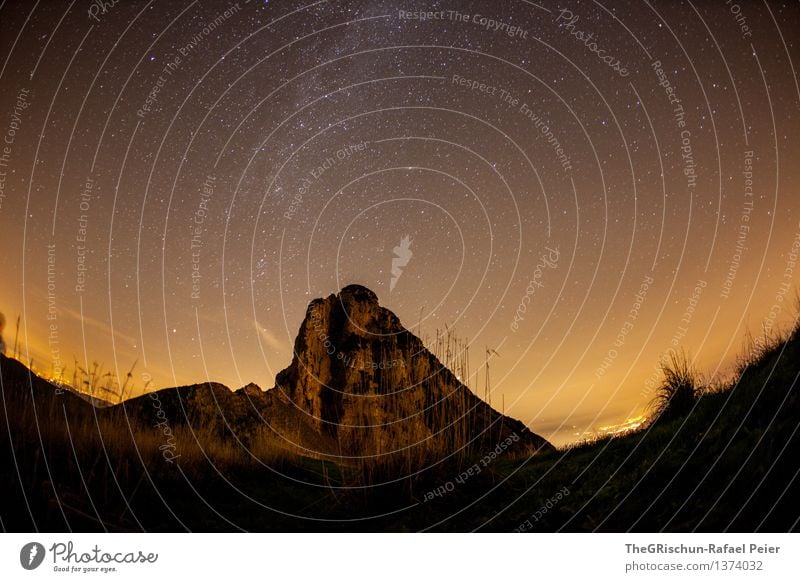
(580, 186)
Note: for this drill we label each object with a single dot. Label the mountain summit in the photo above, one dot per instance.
(360, 388)
(364, 381)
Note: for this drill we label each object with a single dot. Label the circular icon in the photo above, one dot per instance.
(31, 555)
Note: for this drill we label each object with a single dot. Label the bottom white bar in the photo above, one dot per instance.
(417, 557)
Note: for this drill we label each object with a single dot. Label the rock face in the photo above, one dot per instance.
(360, 388)
(366, 383)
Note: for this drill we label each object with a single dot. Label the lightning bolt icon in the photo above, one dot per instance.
(32, 555)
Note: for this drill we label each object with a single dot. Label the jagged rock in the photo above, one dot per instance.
(361, 378)
(360, 386)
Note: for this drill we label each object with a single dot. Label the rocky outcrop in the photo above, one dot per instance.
(360, 387)
(363, 380)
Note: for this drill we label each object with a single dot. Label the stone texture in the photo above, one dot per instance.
(361, 378)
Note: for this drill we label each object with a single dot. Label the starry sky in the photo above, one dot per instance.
(581, 187)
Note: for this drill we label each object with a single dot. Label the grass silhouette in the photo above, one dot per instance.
(679, 390)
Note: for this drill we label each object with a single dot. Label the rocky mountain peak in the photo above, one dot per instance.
(358, 293)
(360, 377)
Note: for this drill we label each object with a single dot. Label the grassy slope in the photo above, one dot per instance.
(730, 464)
